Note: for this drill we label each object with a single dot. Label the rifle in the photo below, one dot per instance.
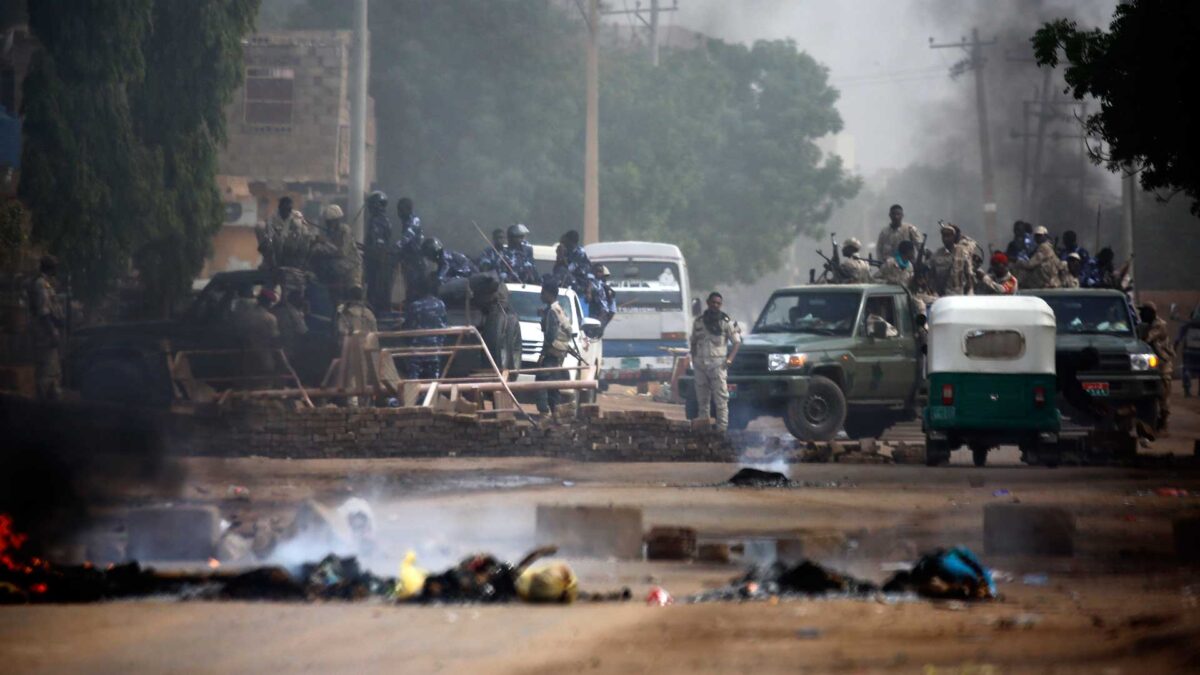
(498, 253)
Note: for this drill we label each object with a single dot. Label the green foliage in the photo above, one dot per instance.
(1143, 70)
(480, 116)
(123, 109)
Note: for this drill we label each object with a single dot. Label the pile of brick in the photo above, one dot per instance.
(273, 431)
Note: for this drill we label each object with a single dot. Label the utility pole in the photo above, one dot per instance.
(591, 159)
(1044, 115)
(651, 24)
(975, 62)
(358, 119)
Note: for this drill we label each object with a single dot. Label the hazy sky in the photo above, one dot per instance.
(877, 52)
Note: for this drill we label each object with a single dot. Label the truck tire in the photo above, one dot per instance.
(819, 414)
(979, 455)
(937, 453)
(118, 381)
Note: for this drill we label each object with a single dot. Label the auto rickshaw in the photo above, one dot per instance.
(991, 378)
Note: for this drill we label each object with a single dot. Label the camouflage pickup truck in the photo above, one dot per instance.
(825, 358)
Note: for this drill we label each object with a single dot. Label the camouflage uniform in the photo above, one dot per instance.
(285, 242)
(520, 258)
(339, 261)
(48, 322)
(355, 317)
(951, 271)
(855, 270)
(1042, 268)
(258, 333)
(1156, 335)
(891, 272)
(989, 285)
(424, 312)
(574, 270)
(556, 341)
(1066, 279)
(709, 351)
(890, 238)
(291, 324)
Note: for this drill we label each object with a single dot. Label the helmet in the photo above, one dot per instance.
(377, 198)
(431, 247)
(602, 271)
(518, 230)
(332, 212)
(852, 242)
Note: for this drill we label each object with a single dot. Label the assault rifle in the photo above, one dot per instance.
(833, 264)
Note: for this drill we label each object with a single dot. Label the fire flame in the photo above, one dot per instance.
(213, 563)
(10, 542)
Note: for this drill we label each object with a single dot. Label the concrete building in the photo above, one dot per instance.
(289, 134)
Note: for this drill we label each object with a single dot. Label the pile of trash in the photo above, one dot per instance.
(953, 574)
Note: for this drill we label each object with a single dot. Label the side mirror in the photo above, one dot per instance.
(593, 328)
(919, 320)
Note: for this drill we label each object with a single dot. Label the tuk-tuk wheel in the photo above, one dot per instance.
(979, 456)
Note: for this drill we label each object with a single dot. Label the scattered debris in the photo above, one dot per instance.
(1002, 492)
(949, 574)
(549, 582)
(238, 492)
(1036, 579)
(1023, 621)
(659, 597)
(748, 477)
(670, 543)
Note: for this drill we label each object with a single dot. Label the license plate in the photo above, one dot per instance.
(1096, 388)
(942, 412)
(631, 362)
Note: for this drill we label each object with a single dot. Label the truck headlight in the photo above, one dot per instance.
(1142, 362)
(786, 361)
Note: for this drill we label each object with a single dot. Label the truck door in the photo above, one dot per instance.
(884, 349)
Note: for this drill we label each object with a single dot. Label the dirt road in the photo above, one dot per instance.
(1123, 603)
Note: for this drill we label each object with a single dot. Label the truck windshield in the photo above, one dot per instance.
(528, 305)
(821, 313)
(646, 286)
(1107, 315)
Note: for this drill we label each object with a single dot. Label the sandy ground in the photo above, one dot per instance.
(1122, 604)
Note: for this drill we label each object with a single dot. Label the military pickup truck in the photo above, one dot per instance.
(827, 358)
(1108, 379)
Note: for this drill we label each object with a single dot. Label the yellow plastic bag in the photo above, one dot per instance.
(548, 582)
(411, 579)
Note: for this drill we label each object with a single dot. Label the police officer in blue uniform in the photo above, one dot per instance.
(491, 260)
(519, 255)
(378, 260)
(424, 310)
(445, 264)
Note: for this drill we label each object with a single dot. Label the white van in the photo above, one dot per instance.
(653, 296)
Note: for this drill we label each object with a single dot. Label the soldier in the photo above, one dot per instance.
(572, 267)
(354, 316)
(338, 261)
(289, 317)
(1022, 244)
(898, 269)
(712, 332)
(424, 310)
(1153, 331)
(951, 264)
(378, 256)
(606, 297)
(286, 239)
(257, 331)
(998, 280)
(489, 260)
(1098, 272)
(1069, 271)
(1042, 268)
(556, 342)
(853, 269)
(896, 231)
(1070, 244)
(49, 322)
(408, 244)
(519, 256)
(444, 264)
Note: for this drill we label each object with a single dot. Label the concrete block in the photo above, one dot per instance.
(173, 532)
(670, 543)
(1023, 529)
(1187, 539)
(591, 531)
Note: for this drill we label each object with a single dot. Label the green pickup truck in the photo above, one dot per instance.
(827, 358)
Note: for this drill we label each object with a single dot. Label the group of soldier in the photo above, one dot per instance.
(1031, 260)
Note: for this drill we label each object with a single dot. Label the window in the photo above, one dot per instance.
(270, 94)
(821, 313)
(994, 344)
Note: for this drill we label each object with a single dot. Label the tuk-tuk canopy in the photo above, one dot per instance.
(991, 334)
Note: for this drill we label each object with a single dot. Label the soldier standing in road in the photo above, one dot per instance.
(48, 326)
(1042, 268)
(556, 342)
(1153, 331)
(951, 264)
(424, 310)
(896, 231)
(712, 333)
(377, 258)
(898, 269)
(998, 280)
(854, 270)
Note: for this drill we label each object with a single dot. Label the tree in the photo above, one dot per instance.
(1143, 71)
(480, 110)
(123, 108)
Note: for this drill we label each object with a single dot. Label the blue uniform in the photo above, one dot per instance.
(521, 259)
(1093, 276)
(378, 263)
(1078, 250)
(454, 265)
(408, 250)
(425, 312)
(1024, 247)
(491, 260)
(575, 270)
